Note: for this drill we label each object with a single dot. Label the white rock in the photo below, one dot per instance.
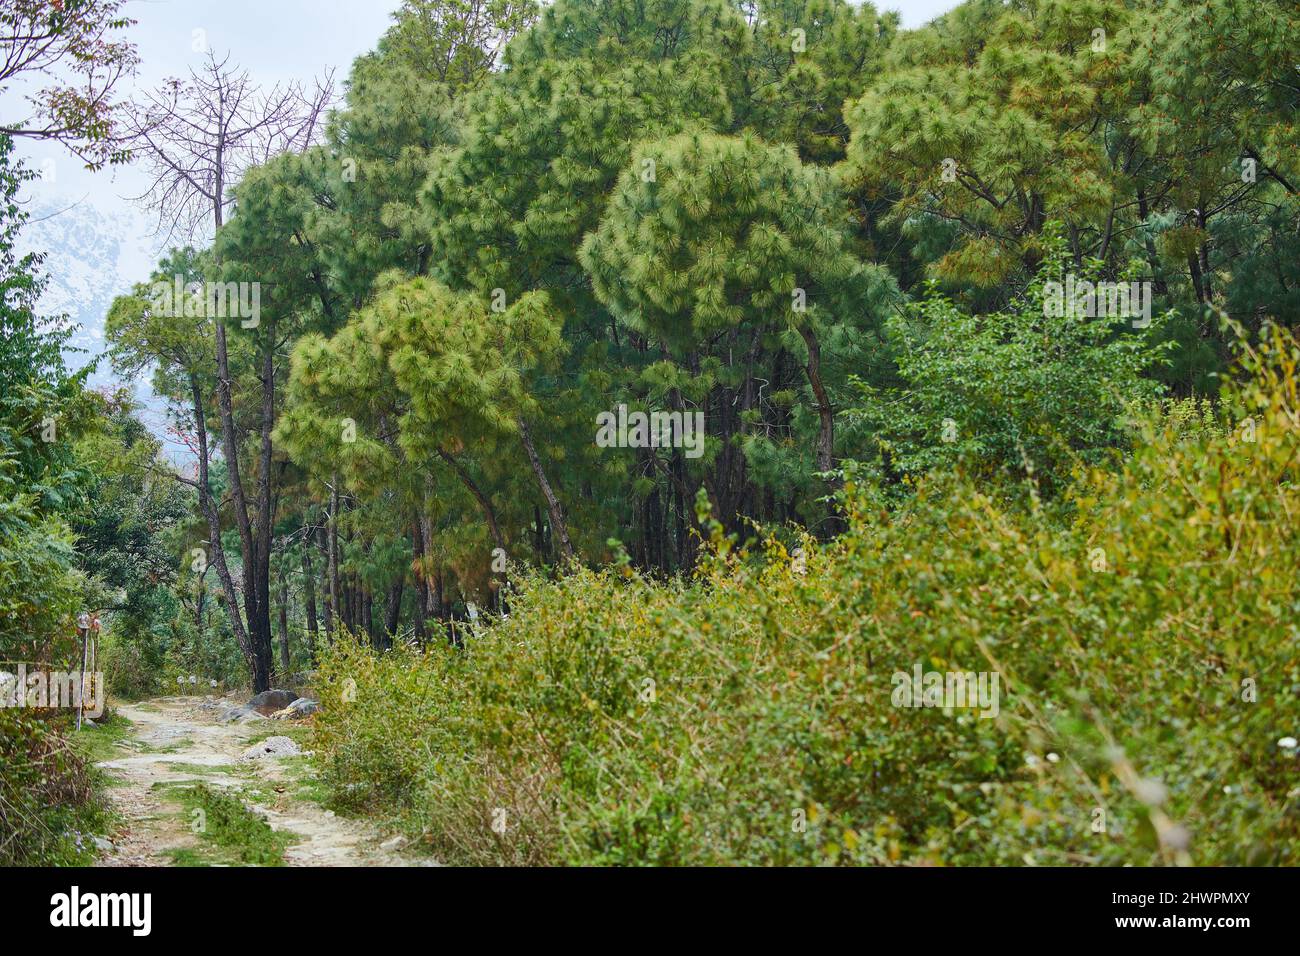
(272, 747)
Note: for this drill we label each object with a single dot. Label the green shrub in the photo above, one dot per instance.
(144, 654)
(40, 592)
(49, 805)
(1010, 392)
(127, 671)
(1146, 646)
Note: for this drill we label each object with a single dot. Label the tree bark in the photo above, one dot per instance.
(256, 612)
(421, 584)
(826, 433)
(332, 539)
(265, 530)
(392, 611)
(309, 596)
(286, 667)
(539, 538)
(558, 525)
(327, 592)
(217, 553)
(825, 453)
(433, 592)
(199, 601)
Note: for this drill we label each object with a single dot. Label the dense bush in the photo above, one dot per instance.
(48, 801)
(153, 652)
(40, 591)
(1146, 647)
(1019, 390)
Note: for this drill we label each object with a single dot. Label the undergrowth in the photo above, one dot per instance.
(229, 832)
(1144, 633)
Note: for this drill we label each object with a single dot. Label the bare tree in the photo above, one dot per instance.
(70, 44)
(197, 138)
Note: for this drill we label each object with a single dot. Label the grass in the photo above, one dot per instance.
(105, 741)
(230, 834)
(301, 774)
(176, 746)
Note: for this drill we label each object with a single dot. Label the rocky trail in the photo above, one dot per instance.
(174, 743)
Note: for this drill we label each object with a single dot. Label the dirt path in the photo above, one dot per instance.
(175, 741)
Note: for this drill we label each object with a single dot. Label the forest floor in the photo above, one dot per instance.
(183, 795)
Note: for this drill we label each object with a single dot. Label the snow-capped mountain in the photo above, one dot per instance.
(89, 259)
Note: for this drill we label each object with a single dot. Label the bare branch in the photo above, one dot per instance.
(197, 138)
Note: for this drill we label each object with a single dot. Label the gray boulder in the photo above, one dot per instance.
(243, 713)
(269, 701)
(302, 707)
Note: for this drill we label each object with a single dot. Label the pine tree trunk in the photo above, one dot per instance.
(256, 613)
(826, 433)
(826, 414)
(286, 666)
(421, 584)
(309, 597)
(392, 612)
(332, 539)
(264, 526)
(215, 550)
(330, 608)
(433, 595)
(558, 525)
(489, 513)
(539, 539)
